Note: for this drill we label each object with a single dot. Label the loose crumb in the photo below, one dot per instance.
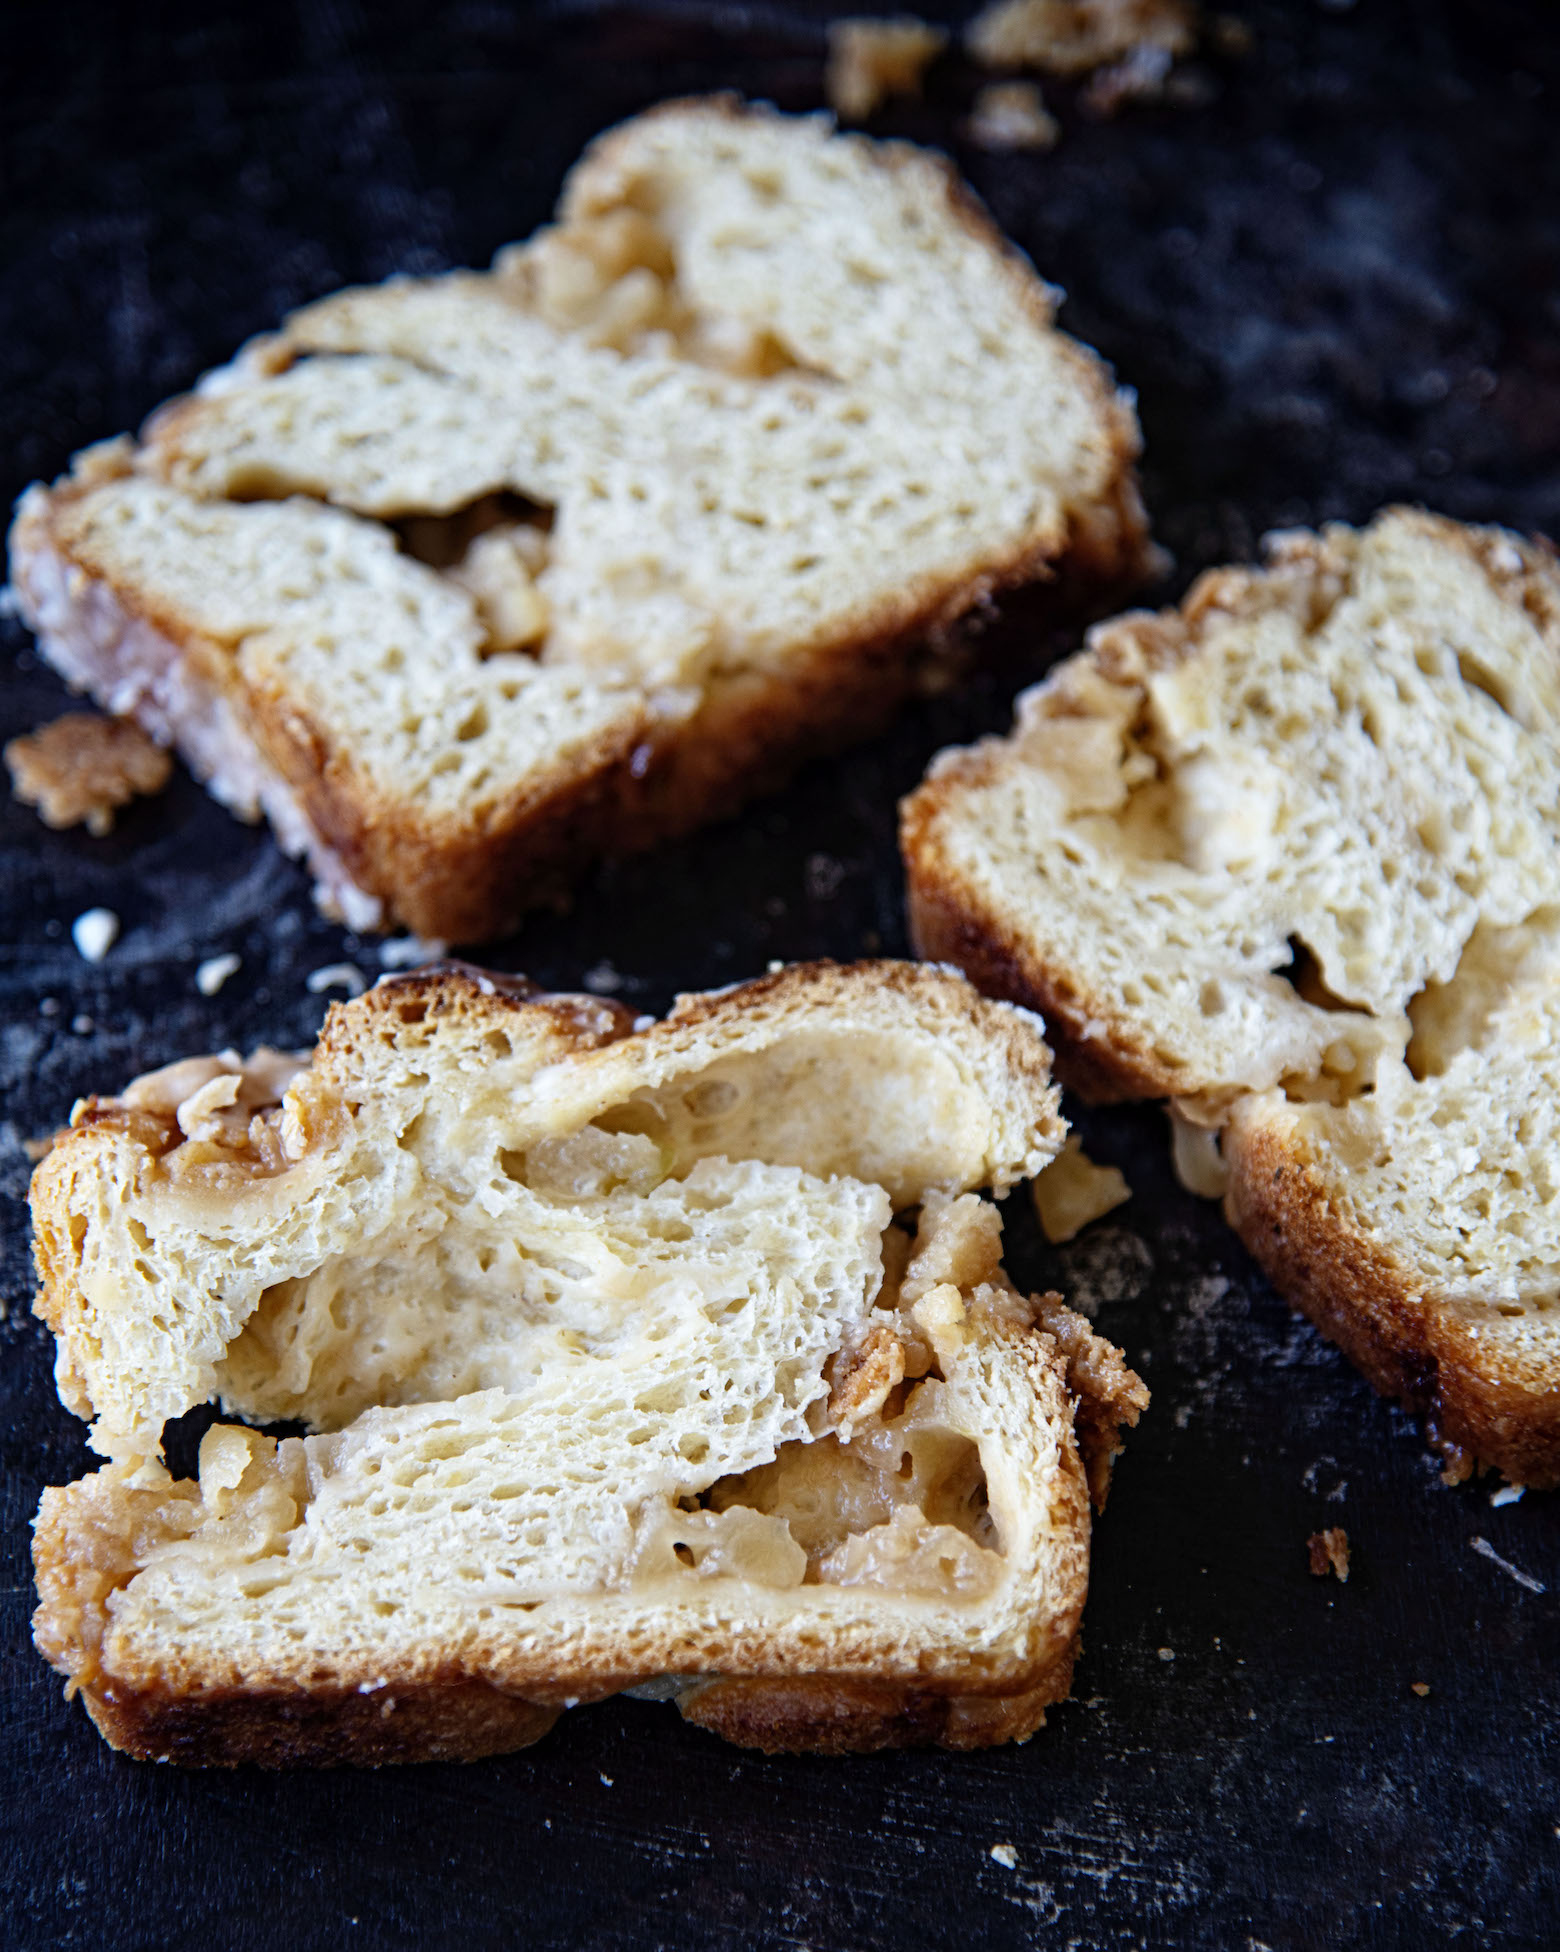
(871, 59)
(79, 769)
(1167, 1653)
(1421, 1688)
(1072, 1191)
(410, 951)
(1012, 115)
(1487, 1551)
(95, 933)
(603, 980)
(215, 971)
(1139, 76)
(1073, 37)
(1508, 1494)
(336, 976)
(1329, 1552)
(1005, 1855)
(1230, 35)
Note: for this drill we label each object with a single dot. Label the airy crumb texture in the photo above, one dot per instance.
(1329, 1553)
(1073, 37)
(81, 768)
(618, 1369)
(1012, 115)
(1290, 857)
(1072, 1191)
(872, 58)
(465, 581)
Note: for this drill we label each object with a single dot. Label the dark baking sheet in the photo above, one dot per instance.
(1332, 269)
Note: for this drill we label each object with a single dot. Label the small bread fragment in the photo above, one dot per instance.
(1073, 37)
(81, 768)
(1073, 1191)
(872, 57)
(618, 1367)
(466, 581)
(1290, 857)
(1012, 115)
(1329, 1553)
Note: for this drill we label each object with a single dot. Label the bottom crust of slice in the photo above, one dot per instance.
(817, 1715)
(463, 1720)
(457, 1720)
(1364, 1299)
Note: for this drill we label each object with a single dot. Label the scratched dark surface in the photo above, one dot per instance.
(1332, 270)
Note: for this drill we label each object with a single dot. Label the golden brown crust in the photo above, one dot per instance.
(821, 1715)
(1106, 1394)
(1096, 1054)
(454, 1720)
(1368, 1301)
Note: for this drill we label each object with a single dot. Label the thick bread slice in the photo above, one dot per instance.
(622, 1374)
(683, 485)
(1291, 855)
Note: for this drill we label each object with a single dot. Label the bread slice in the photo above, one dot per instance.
(620, 1370)
(464, 581)
(1291, 856)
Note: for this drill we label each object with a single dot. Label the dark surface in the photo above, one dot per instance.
(1335, 280)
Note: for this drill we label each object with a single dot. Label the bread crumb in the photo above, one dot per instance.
(1072, 37)
(1230, 35)
(94, 933)
(1508, 1494)
(80, 768)
(1072, 1191)
(215, 971)
(1005, 1855)
(410, 951)
(1138, 77)
(1167, 1653)
(603, 980)
(1487, 1551)
(1012, 115)
(336, 976)
(1421, 1688)
(873, 58)
(1329, 1552)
